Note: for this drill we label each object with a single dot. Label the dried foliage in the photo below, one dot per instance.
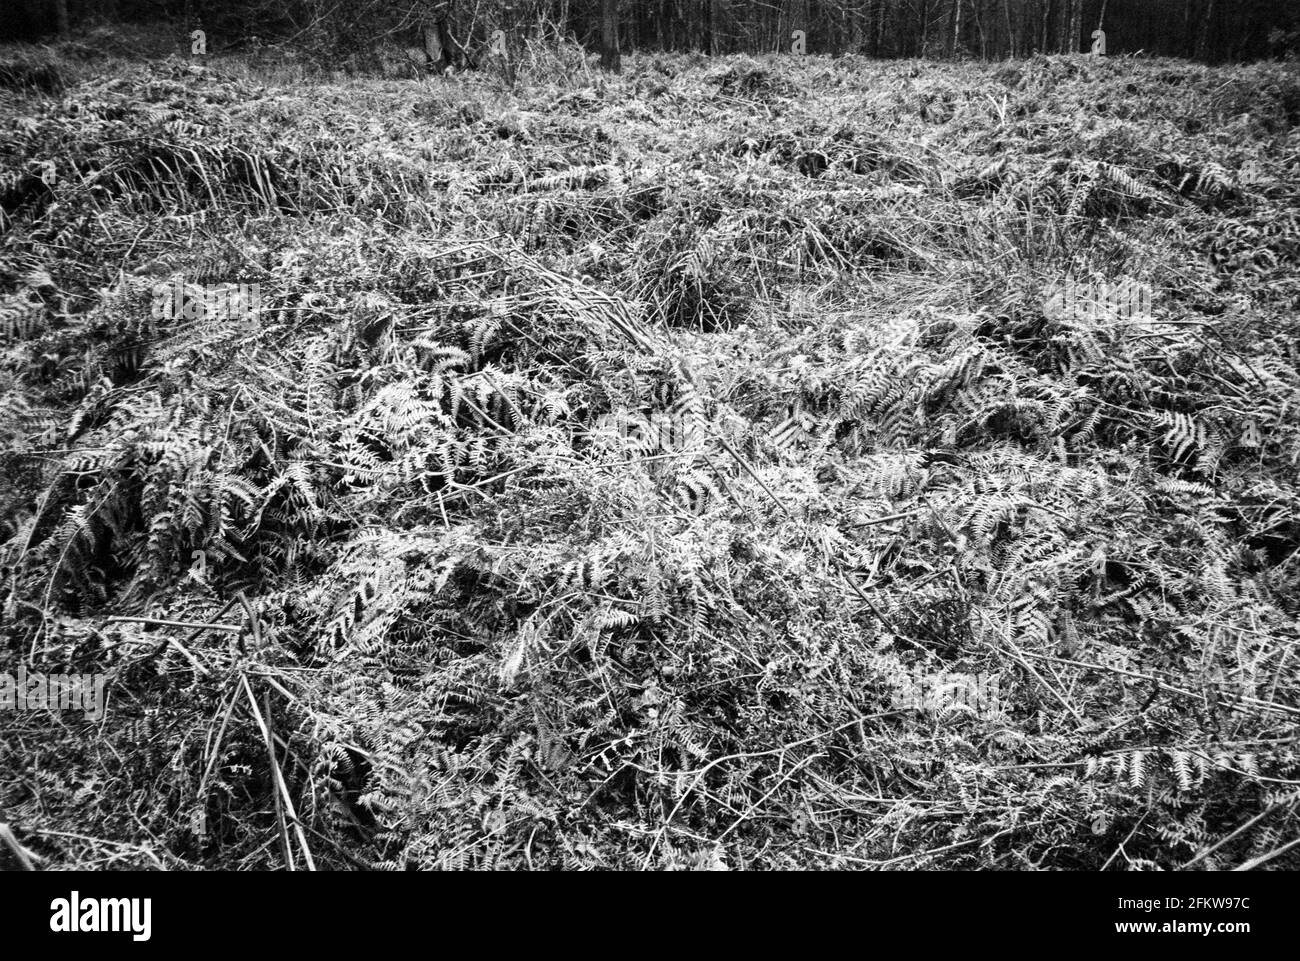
(479, 625)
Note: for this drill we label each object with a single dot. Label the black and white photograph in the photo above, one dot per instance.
(848, 437)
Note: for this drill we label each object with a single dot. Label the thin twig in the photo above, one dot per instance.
(158, 622)
(1253, 701)
(278, 775)
(1265, 858)
(9, 841)
(1205, 853)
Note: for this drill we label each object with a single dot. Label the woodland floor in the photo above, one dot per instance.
(489, 614)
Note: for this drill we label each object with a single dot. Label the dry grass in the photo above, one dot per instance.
(484, 630)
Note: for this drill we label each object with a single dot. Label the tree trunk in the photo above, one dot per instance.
(609, 54)
(437, 45)
(61, 17)
(1203, 35)
(979, 25)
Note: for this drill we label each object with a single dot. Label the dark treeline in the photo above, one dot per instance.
(1211, 30)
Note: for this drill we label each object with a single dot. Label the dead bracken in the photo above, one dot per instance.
(381, 560)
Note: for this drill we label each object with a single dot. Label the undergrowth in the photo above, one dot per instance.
(476, 623)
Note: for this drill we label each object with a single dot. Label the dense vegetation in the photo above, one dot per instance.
(477, 621)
